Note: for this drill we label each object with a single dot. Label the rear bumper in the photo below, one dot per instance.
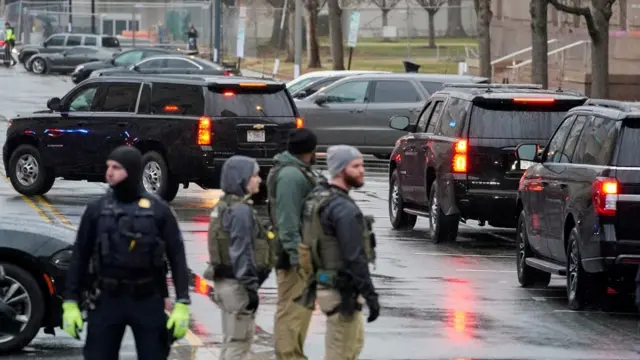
(603, 252)
(497, 207)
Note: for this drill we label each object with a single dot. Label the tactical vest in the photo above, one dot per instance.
(10, 35)
(272, 180)
(324, 249)
(219, 238)
(126, 244)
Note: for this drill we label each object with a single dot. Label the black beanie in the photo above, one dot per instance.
(131, 160)
(302, 141)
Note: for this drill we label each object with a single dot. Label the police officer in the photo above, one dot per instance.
(10, 37)
(122, 240)
(341, 244)
(289, 182)
(240, 255)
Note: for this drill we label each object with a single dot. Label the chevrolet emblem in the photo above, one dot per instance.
(258, 126)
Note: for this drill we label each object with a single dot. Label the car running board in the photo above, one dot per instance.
(417, 212)
(546, 266)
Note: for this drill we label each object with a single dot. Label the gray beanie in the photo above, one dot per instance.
(339, 156)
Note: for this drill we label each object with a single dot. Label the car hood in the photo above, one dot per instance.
(97, 65)
(32, 237)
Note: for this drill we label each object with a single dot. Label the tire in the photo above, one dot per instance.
(400, 220)
(443, 227)
(26, 61)
(39, 66)
(37, 304)
(582, 287)
(527, 275)
(156, 178)
(44, 177)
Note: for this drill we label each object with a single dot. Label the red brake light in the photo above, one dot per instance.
(204, 131)
(228, 94)
(460, 156)
(604, 194)
(534, 100)
(227, 73)
(299, 123)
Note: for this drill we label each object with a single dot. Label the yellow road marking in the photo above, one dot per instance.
(37, 209)
(63, 219)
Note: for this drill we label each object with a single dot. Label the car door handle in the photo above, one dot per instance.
(122, 123)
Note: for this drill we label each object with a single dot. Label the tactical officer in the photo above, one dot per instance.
(10, 37)
(123, 240)
(340, 242)
(240, 255)
(289, 182)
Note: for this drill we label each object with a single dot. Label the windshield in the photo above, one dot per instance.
(294, 86)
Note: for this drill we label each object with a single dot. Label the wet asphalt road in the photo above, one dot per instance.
(445, 301)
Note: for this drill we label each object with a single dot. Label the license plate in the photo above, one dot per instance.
(524, 165)
(255, 136)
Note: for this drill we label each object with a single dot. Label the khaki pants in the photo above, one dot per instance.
(345, 335)
(292, 320)
(238, 325)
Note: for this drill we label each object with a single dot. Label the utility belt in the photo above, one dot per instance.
(226, 272)
(144, 287)
(331, 279)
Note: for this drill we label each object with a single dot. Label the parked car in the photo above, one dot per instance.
(310, 85)
(64, 62)
(35, 257)
(579, 203)
(458, 162)
(61, 42)
(167, 64)
(356, 110)
(296, 84)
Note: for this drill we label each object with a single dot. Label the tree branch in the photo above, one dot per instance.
(583, 11)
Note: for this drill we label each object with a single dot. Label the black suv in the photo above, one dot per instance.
(579, 203)
(458, 162)
(186, 127)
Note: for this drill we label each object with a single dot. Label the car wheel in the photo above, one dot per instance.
(27, 173)
(399, 218)
(156, 178)
(527, 275)
(443, 227)
(582, 287)
(22, 292)
(39, 66)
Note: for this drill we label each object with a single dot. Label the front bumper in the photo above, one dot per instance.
(80, 76)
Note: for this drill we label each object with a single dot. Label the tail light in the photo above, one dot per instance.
(460, 156)
(204, 131)
(227, 73)
(299, 123)
(604, 193)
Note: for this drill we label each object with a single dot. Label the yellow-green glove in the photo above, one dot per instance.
(179, 320)
(72, 321)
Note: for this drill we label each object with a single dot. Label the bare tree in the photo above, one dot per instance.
(335, 33)
(622, 4)
(597, 18)
(313, 47)
(484, 14)
(432, 7)
(454, 19)
(385, 6)
(278, 13)
(539, 58)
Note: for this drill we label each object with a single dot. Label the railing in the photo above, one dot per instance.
(515, 54)
(561, 52)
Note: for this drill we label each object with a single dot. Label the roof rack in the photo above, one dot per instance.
(611, 104)
(493, 86)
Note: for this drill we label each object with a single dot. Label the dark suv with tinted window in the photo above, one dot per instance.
(579, 203)
(186, 127)
(458, 162)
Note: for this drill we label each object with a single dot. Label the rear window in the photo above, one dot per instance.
(232, 103)
(629, 144)
(110, 42)
(512, 121)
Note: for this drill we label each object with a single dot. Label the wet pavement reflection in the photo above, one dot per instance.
(446, 301)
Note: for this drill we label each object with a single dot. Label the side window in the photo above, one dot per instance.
(572, 140)
(431, 87)
(434, 117)
(177, 99)
(422, 121)
(554, 149)
(152, 64)
(128, 58)
(120, 98)
(388, 91)
(56, 40)
(348, 93)
(74, 40)
(90, 41)
(596, 142)
(180, 64)
(82, 100)
(453, 118)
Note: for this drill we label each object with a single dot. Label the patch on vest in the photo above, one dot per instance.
(144, 203)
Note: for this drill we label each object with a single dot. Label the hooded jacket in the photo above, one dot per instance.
(238, 220)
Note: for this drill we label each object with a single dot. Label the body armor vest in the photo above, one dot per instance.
(320, 252)
(128, 244)
(271, 185)
(219, 238)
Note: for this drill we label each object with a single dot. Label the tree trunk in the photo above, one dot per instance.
(539, 58)
(291, 38)
(385, 16)
(600, 56)
(335, 33)
(483, 10)
(454, 19)
(623, 14)
(432, 30)
(275, 31)
(576, 18)
(313, 48)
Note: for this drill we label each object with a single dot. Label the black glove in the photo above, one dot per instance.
(374, 308)
(254, 300)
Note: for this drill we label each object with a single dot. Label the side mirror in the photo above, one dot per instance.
(399, 123)
(301, 95)
(44, 44)
(321, 99)
(528, 152)
(54, 104)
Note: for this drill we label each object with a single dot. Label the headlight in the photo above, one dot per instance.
(61, 259)
(79, 68)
